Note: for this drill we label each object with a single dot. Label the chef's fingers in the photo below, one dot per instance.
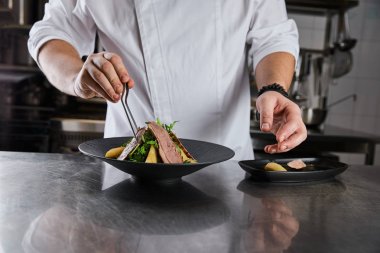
(94, 87)
(102, 82)
(292, 142)
(271, 149)
(109, 71)
(266, 104)
(277, 205)
(286, 223)
(282, 236)
(100, 93)
(287, 145)
(292, 121)
(119, 67)
(279, 237)
(298, 135)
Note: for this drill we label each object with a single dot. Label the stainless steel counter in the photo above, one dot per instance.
(327, 139)
(55, 203)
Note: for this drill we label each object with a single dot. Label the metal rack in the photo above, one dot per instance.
(319, 7)
(326, 8)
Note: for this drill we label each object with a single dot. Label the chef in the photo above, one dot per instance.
(186, 61)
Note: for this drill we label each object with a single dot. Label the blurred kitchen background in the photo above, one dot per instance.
(363, 80)
(337, 81)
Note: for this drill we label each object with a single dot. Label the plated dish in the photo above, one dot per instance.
(317, 169)
(154, 143)
(205, 153)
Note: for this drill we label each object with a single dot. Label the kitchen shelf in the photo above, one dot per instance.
(18, 68)
(16, 27)
(319, 7)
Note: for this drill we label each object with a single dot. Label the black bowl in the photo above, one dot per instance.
(205, 153)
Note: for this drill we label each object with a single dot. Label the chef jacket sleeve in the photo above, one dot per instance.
(64, 20)
(271, 31)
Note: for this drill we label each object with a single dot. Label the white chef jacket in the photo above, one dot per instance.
(190, 59)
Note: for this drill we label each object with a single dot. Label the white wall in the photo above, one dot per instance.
(364, 80)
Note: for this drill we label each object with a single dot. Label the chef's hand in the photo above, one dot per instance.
(102, 75)
(281, 227)
(272, 228)
(282, 117)
(61, 229)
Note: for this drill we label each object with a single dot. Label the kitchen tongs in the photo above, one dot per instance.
(127, 111)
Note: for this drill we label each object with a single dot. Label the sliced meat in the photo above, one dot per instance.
(178, 142)
(132, 144)
(166, 147)
(296, 164)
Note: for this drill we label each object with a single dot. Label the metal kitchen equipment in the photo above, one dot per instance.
(16, 19)
(36, 116)
(67, 133)
(21, 12)
(319, 7)
(344, 40)
(342, 59)
(311, 93)
(317, 69)
(13, 46)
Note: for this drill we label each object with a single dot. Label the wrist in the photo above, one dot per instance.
(273, 87)
(73, 84)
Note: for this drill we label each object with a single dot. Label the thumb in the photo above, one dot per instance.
(266, 107)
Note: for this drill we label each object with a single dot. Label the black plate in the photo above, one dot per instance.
(317, 169)
(205, 153)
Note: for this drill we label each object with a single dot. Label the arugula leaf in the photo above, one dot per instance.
(154, 143)
(178, 148)
(170, 127)
(158, 122)
(141, 152)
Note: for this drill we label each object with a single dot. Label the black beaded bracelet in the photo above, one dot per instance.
(273, 87)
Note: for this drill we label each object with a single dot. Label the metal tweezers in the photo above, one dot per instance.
(127, 111)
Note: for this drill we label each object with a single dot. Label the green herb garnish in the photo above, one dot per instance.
(140, 153)
(170, 127)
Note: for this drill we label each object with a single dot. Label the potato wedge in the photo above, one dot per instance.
(114, 152)
(187, 159)
(272, 166)
(152, 155)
